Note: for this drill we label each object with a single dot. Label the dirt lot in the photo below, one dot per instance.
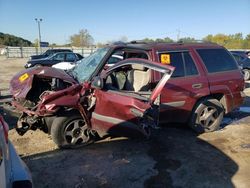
(174, 157)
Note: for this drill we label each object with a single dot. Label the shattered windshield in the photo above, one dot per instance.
(85, 68)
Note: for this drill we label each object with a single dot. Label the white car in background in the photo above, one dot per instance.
(69, 65)
(64, 65)
(13, 172)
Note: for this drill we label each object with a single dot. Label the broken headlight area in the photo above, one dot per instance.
(39, 88)
(26, 122)
(32, 107)
(43, 86)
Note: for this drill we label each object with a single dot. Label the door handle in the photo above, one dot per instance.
(197, 86)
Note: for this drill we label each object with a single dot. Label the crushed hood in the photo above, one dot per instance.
(21, 83)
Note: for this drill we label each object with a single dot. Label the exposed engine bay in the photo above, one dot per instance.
(43, 86)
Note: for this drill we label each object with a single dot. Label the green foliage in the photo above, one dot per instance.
(11, 40)
(235, 41)
(187, 39)
(82, 39)
(166, 39)
(35, 44)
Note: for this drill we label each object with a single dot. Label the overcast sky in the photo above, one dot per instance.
(112, 19)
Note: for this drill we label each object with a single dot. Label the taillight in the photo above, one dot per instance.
(5, 128)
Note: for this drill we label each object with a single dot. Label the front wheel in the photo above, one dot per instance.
(207, 116)
(70, 132)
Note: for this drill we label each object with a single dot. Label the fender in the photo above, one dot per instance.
(227, 99)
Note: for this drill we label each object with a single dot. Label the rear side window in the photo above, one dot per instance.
(70, 57)
(217, 60)
(182, 61)
(59, 57)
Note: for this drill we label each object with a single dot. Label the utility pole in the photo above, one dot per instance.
(39, 32)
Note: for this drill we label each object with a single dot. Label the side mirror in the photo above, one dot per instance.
(97, 82)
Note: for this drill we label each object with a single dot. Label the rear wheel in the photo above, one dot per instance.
(70, 132)
(207, 116)
(246, 74)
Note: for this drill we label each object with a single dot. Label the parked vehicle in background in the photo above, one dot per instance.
(248, 54)
(65, 65)
(241, 52)
(244, 63)
(93, 99)
(48, 53)
(114, 59)
(69, 65)
(54, 59)
(13, 172)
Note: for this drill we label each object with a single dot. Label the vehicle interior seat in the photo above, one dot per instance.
(116, 81)
(138, 79)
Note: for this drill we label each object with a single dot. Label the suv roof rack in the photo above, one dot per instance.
(178, 42)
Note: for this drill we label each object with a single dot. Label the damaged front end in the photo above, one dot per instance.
(39, 94)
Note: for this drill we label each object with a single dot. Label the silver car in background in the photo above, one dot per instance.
(13, 172)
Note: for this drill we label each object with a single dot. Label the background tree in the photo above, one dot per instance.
(82, 39)
(11, 40)
(246, 43)
(220, 39)
(35, 44)
(234, 41)
(187, 39)
(166, 39)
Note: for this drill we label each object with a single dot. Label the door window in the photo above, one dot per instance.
(59, 57)
(182, 61)
(189, 65)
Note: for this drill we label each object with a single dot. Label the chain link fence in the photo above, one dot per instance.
(24, 52)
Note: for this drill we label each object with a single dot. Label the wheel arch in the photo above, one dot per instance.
(213, 99)
(218, 96)
(60, 113)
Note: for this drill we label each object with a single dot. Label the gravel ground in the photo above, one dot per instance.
(174, 157)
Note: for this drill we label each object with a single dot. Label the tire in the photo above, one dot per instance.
(206, 116)
(246, 74)
(70, 132)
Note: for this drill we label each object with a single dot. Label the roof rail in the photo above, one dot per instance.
(178, 42)
(138, 42)
(195, 41)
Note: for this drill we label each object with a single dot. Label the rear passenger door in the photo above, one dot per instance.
(185, 87)
(223, 74)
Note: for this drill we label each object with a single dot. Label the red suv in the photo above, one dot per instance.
(95, 99)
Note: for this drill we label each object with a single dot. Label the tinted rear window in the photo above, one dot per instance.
(217, 60)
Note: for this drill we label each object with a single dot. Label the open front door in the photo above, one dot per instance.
(127, 100)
